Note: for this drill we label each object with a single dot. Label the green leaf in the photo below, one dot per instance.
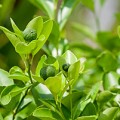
(93, 117)
(94, 91)
(108, 114)
(89, 110)
(40, 65)
(17, 30)
(76, 96)
(118, 31)
(89, 4)
(47, 28)
(55, 33)
(4, 78)
(11, 36)
(17, 73)
(1, 118)
(36, 24)
(110, 79)
(39, 43)
(84, 30)
(80, 106)
(73, 71)
(107, 61)
(67, 57)
(55, 84)
(45, 114)
(24, 48)
(9, 92)
(105, 96)
(46, 5)
(66, 11)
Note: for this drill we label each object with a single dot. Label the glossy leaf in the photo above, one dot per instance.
(17, 30)
(40, 65)
(76, 96)
(67, 57)
(105, 96)
(55, 84)
(107, 61)
(24, 48)
(73, 71)
(16, 73)
(87, 118)
(47, 28)
(94, 91)
(80, 106)
(108, 114)
(4, 78)
(110, 79)
(11, 36)
(36, 24)
(44, 114)
(9, 92)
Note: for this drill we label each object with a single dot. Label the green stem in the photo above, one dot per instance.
(19, 104)
(62, 115)
(29, 72)
(70, 93)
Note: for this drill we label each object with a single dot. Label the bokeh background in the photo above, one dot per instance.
(97, 17)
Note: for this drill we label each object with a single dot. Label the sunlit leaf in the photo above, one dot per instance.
(108, 114)
(9, 92)
(44, 114)
(105, 96)
(110, 79)
(40, 64)
(17, 30)
(37, 24)
(55, 84)
(73, 71)
(87, 118)
(4, 78)
(24, 48)
(16, 73)
(11, 36)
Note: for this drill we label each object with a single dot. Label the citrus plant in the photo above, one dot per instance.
(62, 85)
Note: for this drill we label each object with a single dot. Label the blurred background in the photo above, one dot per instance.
(89, 30)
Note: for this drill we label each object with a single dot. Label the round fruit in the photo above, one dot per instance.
(29, 34)
(47, 71)
(65, 67)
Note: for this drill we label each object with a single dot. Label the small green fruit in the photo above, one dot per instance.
(47, 71)
(65, 67)
(29, 34)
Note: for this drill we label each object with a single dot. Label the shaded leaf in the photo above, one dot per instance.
(107, 61)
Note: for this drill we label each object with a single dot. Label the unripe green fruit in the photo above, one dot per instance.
(47, 71)
(65, 67)
(29, 34)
